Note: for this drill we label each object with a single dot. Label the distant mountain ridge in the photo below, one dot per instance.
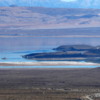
(46, 18)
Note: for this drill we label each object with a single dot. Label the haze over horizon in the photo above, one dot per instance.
(53, 3)
(77, 26)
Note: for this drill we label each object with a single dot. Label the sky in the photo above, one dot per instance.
(53, 3)
(68, 0)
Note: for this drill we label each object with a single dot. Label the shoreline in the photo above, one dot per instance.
(49, 63)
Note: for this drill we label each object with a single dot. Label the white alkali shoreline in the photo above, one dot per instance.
(49, 63)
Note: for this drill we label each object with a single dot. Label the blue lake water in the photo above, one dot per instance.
(16, 57)
(48, 66)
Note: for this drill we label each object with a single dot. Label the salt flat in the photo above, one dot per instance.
(49, 63)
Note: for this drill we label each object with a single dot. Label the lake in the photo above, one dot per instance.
(16, 57)
(47, 67)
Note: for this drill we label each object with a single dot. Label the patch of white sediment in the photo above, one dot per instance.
(51, 63)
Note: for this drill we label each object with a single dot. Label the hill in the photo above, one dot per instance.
(73, 48)
(69, 53)
(44, 18)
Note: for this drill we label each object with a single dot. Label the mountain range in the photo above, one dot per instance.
(48, 18)
(46, 28)
(53, 3)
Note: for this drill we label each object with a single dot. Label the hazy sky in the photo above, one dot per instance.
(53, 3)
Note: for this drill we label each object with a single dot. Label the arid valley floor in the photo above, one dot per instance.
(50, 84)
